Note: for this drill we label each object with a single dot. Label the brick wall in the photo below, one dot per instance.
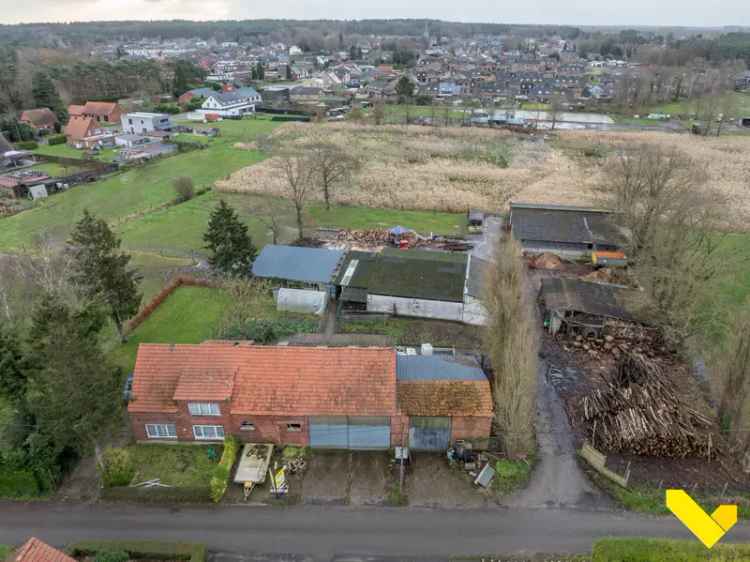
(139, 421)
(470, 428)
(271, 429)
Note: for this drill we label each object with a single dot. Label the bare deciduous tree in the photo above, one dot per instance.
(734, 379)
(511, 344)
(556, 107)
(296, 170)
(672, 223)
(330, 166)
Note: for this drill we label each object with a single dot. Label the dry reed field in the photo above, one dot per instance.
(452, 169)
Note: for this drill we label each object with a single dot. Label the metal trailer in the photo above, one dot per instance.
(253, 467)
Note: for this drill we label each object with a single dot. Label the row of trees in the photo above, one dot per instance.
(62, 389)
(309, 165)
(677, 241)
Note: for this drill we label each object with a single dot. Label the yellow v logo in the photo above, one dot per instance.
(708, 528)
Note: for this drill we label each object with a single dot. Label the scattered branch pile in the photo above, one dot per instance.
(367, 236)
(639, 410)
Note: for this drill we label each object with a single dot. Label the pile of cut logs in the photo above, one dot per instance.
(368, 236)
(639, 410)
(619, 338)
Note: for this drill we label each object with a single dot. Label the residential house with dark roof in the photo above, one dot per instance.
(34, 550)
(564, 230)
(323, 397)
(235, 103)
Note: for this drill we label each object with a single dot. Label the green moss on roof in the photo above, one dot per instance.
(411, 274)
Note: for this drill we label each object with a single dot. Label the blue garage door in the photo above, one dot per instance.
(370, 433)
(429, 433)
(329, 432)
(339, 432)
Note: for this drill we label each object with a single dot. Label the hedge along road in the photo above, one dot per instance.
(326, 533)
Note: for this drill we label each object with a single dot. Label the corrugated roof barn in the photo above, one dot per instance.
(302, 265)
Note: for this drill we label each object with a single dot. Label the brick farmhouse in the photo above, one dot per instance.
(323, 397)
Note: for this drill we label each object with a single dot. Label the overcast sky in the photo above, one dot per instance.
(703, 13)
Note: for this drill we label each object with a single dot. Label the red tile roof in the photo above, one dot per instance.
(74, 110)
(268, 380)
(445, 398)
(41, 118)
(101, 108)
(79, 128)
(36, 551)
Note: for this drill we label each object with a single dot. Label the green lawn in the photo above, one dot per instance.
(686, 107)
(62, 150)
(131, 194)
(189, 315)
(174, 464)
(423, 222)
(5, 551)
(663, 550)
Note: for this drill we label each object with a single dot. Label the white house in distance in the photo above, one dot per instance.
(140, 123)
(235, 103)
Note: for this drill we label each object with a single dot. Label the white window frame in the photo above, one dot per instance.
(204, 409)
(199, 432)
(247, 425)
(162, 431)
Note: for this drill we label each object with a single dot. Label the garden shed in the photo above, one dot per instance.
(304, 301)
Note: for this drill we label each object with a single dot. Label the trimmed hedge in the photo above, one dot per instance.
(223, 471)
(56, 139)
(177, 494)
(27, 145)
(149, 550)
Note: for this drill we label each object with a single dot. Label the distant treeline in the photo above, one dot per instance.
(79, 34)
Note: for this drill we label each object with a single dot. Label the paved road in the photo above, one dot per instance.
(336, 533)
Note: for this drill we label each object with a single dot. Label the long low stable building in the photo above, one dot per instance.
(323, 397)
(415, 283)
(563, 230)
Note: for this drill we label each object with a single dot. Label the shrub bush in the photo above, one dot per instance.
(184, 188)
(56, 139)
(149, 550)
(222, 472)
(117, 468)
(18, 483)
(111, 556)
(267, 331)
(27, 145)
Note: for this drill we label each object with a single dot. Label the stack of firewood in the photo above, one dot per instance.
(368, 236)
(639, 410)
(619, 338)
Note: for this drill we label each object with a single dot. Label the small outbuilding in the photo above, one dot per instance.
(303, 301)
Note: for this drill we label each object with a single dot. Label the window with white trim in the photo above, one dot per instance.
(161, 431)
(247, 426)
(294, 427)
(208, 432)
(204, 409)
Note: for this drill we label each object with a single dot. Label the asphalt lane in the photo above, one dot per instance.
(329, 533)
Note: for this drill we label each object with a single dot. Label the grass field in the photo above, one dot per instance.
(136, 192)
(662, 550)
(175, 465)
(686, 107)
(5, 551)
(189, 315)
